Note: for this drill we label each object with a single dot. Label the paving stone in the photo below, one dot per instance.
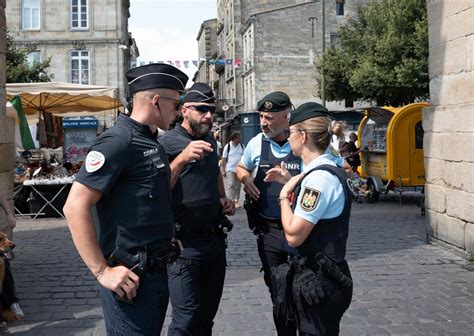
(403, 286)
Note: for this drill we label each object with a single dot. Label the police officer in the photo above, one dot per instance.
(126, 176)
(263, 152)
(317, 224)
(196, 279)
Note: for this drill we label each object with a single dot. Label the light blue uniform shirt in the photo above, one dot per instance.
(331, 194)
(251, 156)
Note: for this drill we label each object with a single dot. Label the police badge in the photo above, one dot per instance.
(309, 200)
(268, 105)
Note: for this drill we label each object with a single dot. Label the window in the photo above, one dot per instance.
(340, 7)
(248, 47)
(80, 67)
(33, 57)
(79, 14)
(30, 14)
(334, 39)
(419, 133)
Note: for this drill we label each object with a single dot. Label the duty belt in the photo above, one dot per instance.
(271, 223)
(196, 232)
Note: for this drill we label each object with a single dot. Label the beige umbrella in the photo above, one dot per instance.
(58, 98)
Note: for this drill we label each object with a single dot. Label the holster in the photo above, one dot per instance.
(136, 262)
(282, 298)
(250, 207)
(332, 270)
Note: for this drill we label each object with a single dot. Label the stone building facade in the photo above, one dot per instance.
(88, 40)
(7, 128)
(276, 43)
(449, 125)
(207, 41)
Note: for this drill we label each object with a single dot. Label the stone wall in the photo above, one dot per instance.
(7, 131)
(449, 125)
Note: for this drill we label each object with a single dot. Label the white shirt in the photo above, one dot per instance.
(232, 154)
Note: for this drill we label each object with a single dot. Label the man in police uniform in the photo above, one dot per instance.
(127, 177)
(196, 279)
(263, 152)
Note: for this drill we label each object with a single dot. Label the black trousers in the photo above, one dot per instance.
(195, 292)
(324, 318)
(8, 294)
(273, 251)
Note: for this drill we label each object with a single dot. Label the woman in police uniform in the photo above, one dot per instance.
(316, 222)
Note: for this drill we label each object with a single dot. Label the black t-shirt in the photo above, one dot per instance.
(131, 169)
(353, 161)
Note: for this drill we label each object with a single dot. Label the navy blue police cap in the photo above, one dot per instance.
(156, 76)
(307, 111)
(274, 102)
(200, 93)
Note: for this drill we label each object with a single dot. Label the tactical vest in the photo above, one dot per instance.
(329, 235)
(195, 197)
(268, 205)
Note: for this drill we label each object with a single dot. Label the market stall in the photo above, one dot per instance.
(43, 176)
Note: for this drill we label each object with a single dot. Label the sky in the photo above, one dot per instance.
(166, 30)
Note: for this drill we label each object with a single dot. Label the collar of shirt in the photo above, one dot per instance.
(183, 131)
(320, 160)
(138, 126)
(286, 148)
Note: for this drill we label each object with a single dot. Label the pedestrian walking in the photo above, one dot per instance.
(126, 176)
(263, 152)
(315, 211)
(231, 156)
(196, 279)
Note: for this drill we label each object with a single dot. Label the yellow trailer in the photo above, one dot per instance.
(392, 142)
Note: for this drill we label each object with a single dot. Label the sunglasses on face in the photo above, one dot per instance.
(202, 108)
(288, 131)
(177, 102)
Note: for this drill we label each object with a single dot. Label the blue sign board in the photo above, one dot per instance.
(81, 122)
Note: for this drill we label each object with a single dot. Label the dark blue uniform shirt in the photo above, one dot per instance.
(134, 177)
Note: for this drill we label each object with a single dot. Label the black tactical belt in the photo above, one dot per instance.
(271, 223)
(200, 232)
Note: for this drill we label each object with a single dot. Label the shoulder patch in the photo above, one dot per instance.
(94, 161)
(310, 199)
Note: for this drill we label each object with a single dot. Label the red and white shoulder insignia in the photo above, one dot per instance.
(94, 161)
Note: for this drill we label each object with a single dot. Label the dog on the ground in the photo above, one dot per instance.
(6, 245)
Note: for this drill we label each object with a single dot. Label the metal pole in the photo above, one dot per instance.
(323, 48)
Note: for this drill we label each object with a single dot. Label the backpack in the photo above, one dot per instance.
(228, 149)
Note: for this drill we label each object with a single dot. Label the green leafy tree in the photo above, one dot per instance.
(19, 71)
(382, 55)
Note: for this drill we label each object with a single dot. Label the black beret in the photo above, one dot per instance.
(274, 102)
(155, 76)
(307, 111)
(200, 93)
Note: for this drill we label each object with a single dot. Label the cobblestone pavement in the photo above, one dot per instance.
(403, 286)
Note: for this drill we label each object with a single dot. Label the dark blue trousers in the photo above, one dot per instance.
(145, 316)
(195, 292)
